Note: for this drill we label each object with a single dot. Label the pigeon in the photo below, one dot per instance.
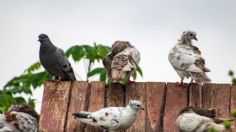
(187, 61)
(122, 61)
(113, 119)
(54, 60)
(195, 119)
(19, 118)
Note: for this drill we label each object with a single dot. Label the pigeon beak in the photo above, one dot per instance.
(39, 39)
(195, 38)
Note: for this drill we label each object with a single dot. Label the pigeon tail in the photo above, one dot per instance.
(200, 77)
(86, 117)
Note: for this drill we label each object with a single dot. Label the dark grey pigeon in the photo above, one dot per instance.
(54, 60)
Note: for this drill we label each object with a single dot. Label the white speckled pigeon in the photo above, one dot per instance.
(121, 62)
(187, 60)
(54, 60)
(112, 118)
(195, 119)
(19, 118)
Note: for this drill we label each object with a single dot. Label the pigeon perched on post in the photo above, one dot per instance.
(54, 60)
(187, 61)
(112, 118)
(19, 118)
(122, 61)
(195, 119)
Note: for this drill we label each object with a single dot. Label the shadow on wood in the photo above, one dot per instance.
(162, 103)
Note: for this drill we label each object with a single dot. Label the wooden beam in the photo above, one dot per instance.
(176, 99)
(78, 102)
(217, 96)
(115, 95)
(136, 91)
(195, 95)
(54, 107)
(155, 92)
(96, 102)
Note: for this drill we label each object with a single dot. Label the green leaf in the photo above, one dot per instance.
(77, 53)
(134, 75)
(227, 124)
(96, 71)
(233, 113)
(19, 100)
(34, 67)
(90, 53)
(231, 73)
(103, 75)
(140, 71)
(102, 51)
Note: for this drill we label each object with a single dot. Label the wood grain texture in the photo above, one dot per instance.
(115, 95)
(176, 99)
(217, 96)
(195, 95)
(78, 102)
(233, 102)
(136, 91)
(155, 96)
(96, 102)
(54, 107)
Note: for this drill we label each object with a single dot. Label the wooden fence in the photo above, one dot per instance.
(162, 102)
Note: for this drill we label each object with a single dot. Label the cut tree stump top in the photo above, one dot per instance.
(162, 102)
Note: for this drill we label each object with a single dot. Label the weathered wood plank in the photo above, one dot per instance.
(78, 102)
(217, 96)
(115, 95)
(54, 107)
(155, 96)
(96, 102)
(136, 91)
(176, 99)
(233, 102)
(195, 95)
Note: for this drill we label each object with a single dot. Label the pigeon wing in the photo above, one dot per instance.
(64, 65)
(107, 118)
(124, 63)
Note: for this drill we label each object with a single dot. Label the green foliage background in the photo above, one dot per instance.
(33, 77)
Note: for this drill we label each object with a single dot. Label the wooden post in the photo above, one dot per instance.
(96, 102)
(136, 91)
(54, 107)
(176, 99)
(195, 95)
(155, 94)
(217, 96)
(78, 102)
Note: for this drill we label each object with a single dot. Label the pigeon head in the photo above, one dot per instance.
(189, 35)
(25, 109)
(136, 104)
(43, 37)
(119, 46)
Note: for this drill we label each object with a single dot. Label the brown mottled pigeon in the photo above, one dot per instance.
(54, 60)
(187, 61)
(19, 118)
(121, 62)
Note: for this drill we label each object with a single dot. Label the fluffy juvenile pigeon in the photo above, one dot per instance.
(195, 119)
(187, 61)
(112, 118)
(54, 60)
(121, 62)
(19, 118)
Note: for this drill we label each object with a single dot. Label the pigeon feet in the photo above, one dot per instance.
(180, 84)
(57, 81)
